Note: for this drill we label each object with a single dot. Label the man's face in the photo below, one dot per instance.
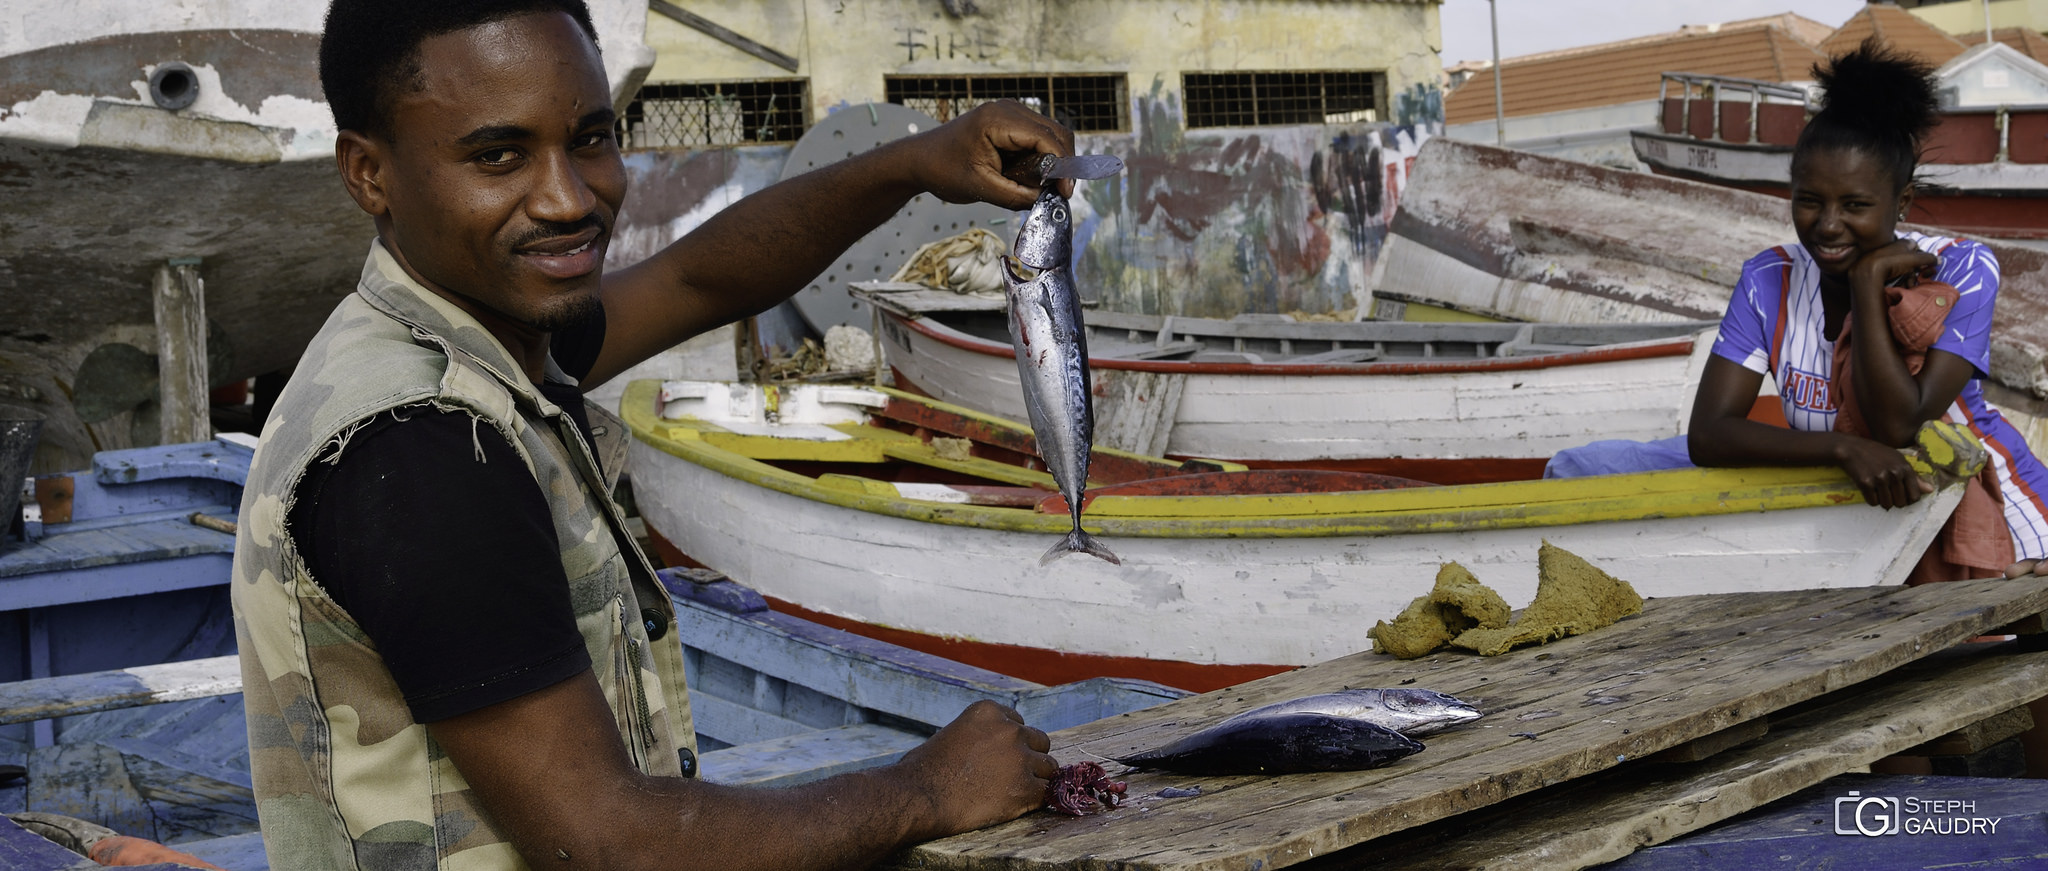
(503, 177)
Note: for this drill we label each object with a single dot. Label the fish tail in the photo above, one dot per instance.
(1079, 542)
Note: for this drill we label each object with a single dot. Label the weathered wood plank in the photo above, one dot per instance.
(180, 299)
(1603, 818)
(21, 848)
(88, 781)
(1615, 698)
(1703, 747)
(1979, 735)
(24, 701)
(1137, 409)
(189, 797)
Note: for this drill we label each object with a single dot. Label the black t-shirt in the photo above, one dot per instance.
(433, 535)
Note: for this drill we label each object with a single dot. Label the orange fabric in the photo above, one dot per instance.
(1975, 542)
(129, 850)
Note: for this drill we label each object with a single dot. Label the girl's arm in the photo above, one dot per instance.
(1721, 434)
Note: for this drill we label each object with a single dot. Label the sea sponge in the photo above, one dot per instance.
(1458, 602)
(1572, 597)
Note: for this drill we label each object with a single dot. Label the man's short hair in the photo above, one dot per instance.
(371, 48)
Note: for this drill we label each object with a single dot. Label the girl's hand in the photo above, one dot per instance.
(1882, 473)
(1897, 260)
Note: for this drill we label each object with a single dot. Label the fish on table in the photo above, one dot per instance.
(1410, 712)
(1348, 730)
(1052, 357)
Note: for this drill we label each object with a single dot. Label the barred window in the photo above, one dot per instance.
(685, 114)
(1085, 103)
(1253, 99)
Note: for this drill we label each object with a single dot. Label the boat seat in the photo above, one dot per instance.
(1339, 355)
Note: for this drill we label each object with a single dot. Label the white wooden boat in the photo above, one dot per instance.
(1514, 235)
(922, 523)
(1446, 402)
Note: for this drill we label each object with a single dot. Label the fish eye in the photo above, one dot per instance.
(1059, 214)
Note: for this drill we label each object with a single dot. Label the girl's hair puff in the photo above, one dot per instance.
(1876, 100)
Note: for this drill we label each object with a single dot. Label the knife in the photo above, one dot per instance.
(1034, 169)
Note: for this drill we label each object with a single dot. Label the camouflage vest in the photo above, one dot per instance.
(344, 779)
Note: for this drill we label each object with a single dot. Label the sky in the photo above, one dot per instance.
(1531, 26)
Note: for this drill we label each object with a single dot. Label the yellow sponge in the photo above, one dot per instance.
(1572, 597)
(1458, 602)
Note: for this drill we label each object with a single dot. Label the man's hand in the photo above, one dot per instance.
(985, 767)
(1882, 473)
(961, 161)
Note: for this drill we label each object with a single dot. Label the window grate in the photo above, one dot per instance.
(1085, 103)
(688, 114)
(1255, 99)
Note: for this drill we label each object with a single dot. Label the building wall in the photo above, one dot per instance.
(845, 47)
(1968, 17)
(1205, 222)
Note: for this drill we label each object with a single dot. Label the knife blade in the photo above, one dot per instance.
(1035, 169)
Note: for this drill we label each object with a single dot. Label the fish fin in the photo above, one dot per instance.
(1079, 542)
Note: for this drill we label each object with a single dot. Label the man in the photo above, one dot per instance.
(453, 655)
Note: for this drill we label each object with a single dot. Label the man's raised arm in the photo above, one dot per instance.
(764, 248)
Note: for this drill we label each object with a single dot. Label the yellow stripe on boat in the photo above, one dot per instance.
(1509, 505)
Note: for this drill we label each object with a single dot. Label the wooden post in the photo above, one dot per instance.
(181, 352)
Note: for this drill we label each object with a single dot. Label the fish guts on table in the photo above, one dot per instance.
(1052, 356)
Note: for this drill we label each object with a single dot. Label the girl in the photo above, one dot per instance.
(1854, 273)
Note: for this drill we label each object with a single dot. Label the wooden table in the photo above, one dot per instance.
(1687, 668)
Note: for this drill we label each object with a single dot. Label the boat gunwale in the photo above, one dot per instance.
(1647, 349)
(1452, 508)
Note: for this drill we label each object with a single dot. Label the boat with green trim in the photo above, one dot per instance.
(921, 523)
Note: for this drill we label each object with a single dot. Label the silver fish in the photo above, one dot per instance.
(1280, 744)
(1409, 712)
(1052, 358)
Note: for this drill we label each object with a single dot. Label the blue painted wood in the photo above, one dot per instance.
(28, 851)
(1798, 831)
(89, 782)
(810, 756)
(115, 580)
(188, 798)
(219, 460)
(868, 674)
(64, 695)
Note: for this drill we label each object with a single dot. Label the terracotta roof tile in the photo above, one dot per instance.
(1900, 29)
(1629, 71)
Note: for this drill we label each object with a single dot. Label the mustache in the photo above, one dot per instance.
(542, 231)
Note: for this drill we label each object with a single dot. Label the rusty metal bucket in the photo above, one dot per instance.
(17, 448)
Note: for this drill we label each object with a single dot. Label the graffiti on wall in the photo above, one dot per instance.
(980, 44)
(1214, 223)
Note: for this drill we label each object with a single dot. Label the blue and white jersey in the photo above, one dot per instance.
(1776, 326)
